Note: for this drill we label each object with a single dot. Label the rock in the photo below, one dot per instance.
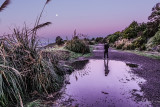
(67, 82)
(104, 92)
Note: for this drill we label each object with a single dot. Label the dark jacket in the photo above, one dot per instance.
(106, 46)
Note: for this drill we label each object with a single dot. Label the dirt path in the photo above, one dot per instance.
(148, 68)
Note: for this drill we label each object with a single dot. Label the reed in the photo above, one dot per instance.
(4, 5)
(23, 68)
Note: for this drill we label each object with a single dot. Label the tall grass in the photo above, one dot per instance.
(23, 68)
(4, 5)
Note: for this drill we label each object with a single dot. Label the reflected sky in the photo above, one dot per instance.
(118, 87)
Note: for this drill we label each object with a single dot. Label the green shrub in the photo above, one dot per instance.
(119, 46)
(59, 40)
(99, 40)
(131, 31)
(78, 46)
(156, 38)
(129, 47)
(143, 47)
(138, 42)
(154, 41)
(113, 38)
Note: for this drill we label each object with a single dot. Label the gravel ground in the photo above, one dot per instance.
(149, 69)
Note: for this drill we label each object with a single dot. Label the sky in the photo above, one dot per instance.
(91, 17)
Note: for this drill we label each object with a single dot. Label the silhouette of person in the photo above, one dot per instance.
(106, 46)
(106, 67)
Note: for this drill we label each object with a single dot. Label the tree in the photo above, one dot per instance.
(155, 15)
(131, 31)
(59, 40)
(152, 26)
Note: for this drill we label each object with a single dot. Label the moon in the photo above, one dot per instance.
(56, 15)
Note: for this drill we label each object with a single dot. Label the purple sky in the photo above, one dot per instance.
(92, 17)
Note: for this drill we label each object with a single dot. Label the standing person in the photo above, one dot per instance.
(106, 68)
(106, 46)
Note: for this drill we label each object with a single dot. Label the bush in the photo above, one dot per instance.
(99, 40)
(78, 46)
(131, 31)
(23, 69)
(119, 46)
(59, 40)
(143, 47)
(154, 41)
(91, 42)
(138, 42)
(113, 38)
(129, 47)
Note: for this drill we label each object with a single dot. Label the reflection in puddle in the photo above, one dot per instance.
(79, 65)
(106, 67)
(104, 83)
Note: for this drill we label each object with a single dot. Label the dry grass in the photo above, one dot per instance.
(23, 68)
(4, 5)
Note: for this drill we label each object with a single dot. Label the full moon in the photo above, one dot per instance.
(56, 14)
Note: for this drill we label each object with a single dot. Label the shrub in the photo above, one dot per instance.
(99, 40)
(78, 46)
(119, 46)
(59, 40)
(129, 47)
(154, 41)
(113, 38)
(156, 38)
(143, 47)
(23, 69)
(91, 42)
(131, 31)
(138, 42)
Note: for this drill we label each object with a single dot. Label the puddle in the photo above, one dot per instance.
(99, 83)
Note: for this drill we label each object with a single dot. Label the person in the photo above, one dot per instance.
(106, 46)
(106, 69)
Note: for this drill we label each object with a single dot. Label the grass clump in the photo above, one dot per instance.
(23, 68)
(77, 45)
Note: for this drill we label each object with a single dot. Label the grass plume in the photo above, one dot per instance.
(48, 1)
(4, 5)
(41, 25)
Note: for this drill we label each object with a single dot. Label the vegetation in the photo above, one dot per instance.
(59, 40)
(139, 36)
(99, 40)
(61, 53)
(24, 69)
(112, 38)
(77, 45)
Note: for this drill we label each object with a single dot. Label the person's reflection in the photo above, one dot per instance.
(106, 67)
